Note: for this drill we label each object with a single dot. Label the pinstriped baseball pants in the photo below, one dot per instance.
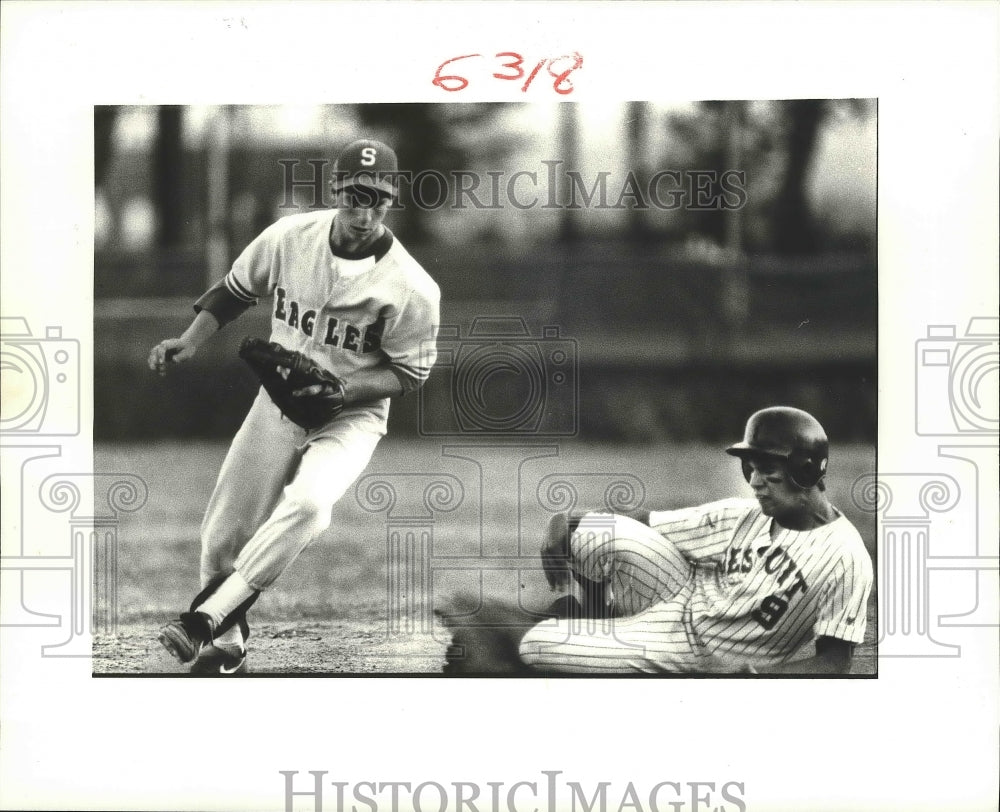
(652, 583)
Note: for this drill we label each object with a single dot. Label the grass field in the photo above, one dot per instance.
(336, 609)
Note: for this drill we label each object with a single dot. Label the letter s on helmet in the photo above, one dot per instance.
(791, 435)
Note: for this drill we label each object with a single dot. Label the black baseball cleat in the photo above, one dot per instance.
(187, 635)
(220, 661)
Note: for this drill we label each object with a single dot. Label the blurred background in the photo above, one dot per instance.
(684, 319)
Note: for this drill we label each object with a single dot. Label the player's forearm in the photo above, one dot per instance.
(372, 384)
(203, 327)
(172, 351)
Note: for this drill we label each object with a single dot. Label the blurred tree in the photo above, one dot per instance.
(637, 132)
(700, 142)
(793, 227)
(168, 162)
(569, 150)
(735, 290)
(775, 143)
(105, 116)
(428, 138)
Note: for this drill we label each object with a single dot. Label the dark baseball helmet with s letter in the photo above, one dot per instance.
(789, 434)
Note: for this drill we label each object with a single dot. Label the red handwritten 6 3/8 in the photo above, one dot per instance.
(513, 70)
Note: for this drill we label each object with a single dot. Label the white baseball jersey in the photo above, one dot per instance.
(278, 485)
(346, 314)
(709, 588)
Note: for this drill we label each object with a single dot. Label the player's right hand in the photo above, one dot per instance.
(169, 351)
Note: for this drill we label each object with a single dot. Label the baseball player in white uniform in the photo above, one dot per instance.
(348, 295)
(737, 585)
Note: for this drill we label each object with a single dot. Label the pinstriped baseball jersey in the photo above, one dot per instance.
(711, 585)
(353, 316)
(762, 595)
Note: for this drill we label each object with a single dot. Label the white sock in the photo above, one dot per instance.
(233, 637)
(233, 591)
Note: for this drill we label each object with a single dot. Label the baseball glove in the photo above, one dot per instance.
(305, 392)
(485, 635)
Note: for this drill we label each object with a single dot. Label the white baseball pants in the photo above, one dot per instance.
(276, 490)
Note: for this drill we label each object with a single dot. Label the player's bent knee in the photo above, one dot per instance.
(312, 511)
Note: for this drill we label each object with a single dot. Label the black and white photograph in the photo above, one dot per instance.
(499, 407)
(460, 465)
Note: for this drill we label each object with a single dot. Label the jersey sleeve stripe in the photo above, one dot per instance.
(238, 290)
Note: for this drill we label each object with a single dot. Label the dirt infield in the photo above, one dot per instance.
(290, 647)
(321, 647)
(339, 609)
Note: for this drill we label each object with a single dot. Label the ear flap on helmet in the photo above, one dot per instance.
(804, 470)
